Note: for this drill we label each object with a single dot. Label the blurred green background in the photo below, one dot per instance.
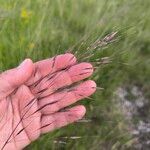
(40, 29)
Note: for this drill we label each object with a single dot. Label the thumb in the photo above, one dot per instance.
(11, 79)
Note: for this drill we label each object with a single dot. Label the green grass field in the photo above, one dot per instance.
(39, 29)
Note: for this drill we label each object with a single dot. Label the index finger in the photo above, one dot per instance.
(48, 66)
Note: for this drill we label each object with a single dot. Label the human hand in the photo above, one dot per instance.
(33, 97)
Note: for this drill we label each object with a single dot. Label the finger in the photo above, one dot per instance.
(60, 119)
(57, 101)
(48, 66)
(11, 79)
(62, 79)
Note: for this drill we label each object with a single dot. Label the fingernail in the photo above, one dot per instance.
(23, 63)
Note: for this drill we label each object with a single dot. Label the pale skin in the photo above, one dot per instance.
(33, 97)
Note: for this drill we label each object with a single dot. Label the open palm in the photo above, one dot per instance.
(33, 98)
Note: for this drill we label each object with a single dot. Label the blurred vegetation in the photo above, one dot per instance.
(40, 29)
